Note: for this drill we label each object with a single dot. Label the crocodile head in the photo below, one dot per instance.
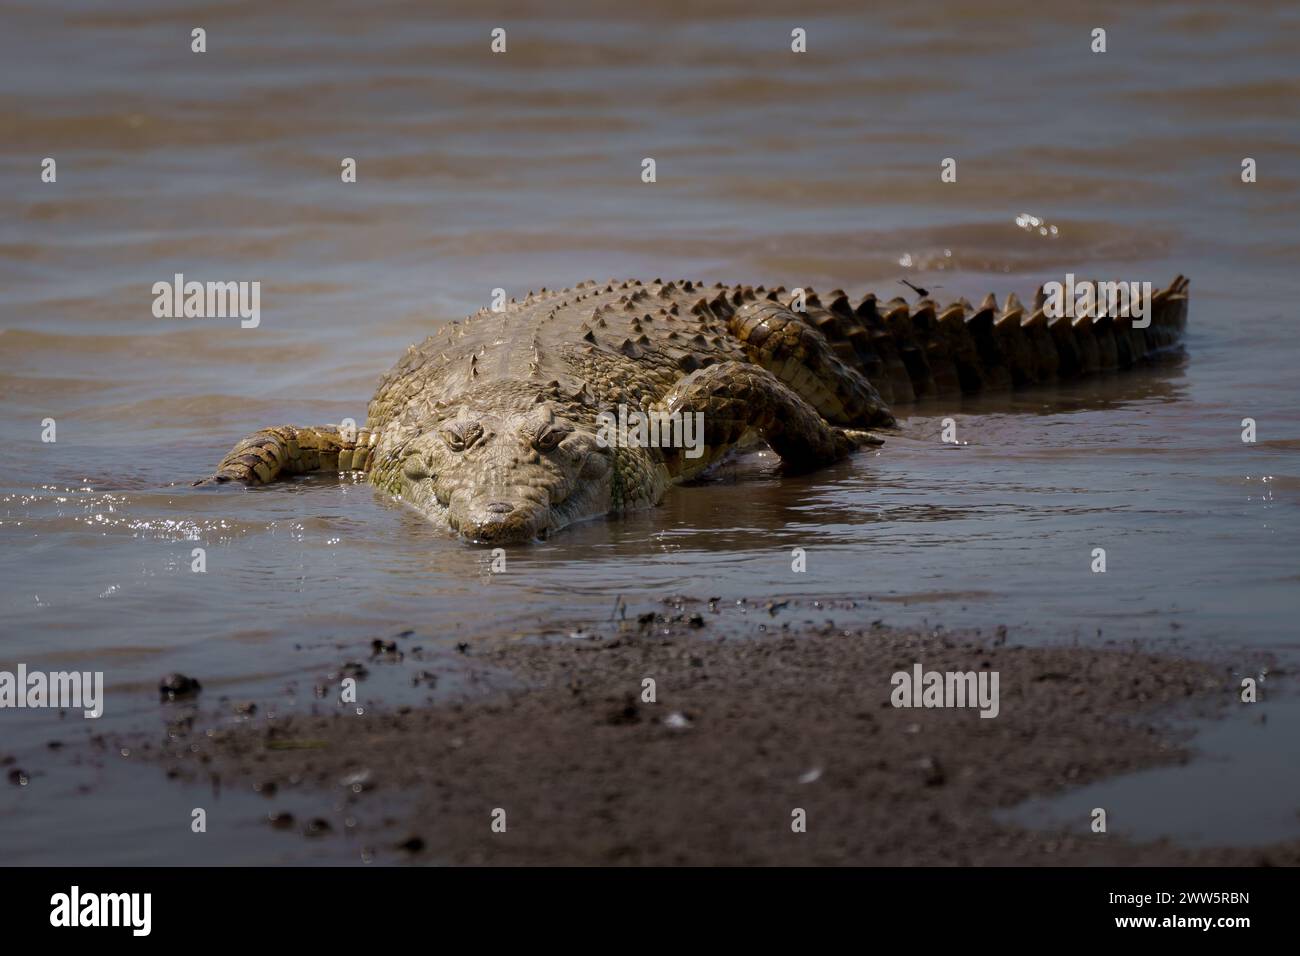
(500, 476)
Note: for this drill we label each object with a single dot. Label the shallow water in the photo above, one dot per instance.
(1242, 779)
(522, 171)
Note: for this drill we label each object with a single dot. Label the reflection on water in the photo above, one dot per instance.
(521, 171)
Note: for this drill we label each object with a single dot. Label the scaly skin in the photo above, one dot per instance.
(490, 426)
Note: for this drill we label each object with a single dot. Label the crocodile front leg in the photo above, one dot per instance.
(736, 398)
(287, 450)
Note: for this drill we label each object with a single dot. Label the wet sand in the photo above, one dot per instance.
(746, 728)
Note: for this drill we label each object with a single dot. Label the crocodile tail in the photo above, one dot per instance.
(909, 352)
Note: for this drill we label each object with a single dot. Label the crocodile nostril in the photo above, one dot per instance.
(500, 507)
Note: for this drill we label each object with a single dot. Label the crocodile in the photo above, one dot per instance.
(495, 426)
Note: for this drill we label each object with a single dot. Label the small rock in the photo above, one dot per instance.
(361, 780)
(412, 844)
(280, 821)
(178, 686)
(629, 714)
(317, 827)
(18, 777)
(932, 772)
(677, 721)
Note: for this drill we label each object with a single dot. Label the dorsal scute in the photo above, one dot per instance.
(840, 305)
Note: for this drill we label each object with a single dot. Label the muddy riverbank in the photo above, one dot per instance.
(747, 736)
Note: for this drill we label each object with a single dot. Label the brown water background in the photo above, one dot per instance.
(522, 170)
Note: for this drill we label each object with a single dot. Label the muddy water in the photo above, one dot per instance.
(523, 170)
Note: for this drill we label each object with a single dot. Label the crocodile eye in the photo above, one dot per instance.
(549, 437)
(461, 435)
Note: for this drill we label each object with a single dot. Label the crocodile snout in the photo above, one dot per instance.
(496, 521)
